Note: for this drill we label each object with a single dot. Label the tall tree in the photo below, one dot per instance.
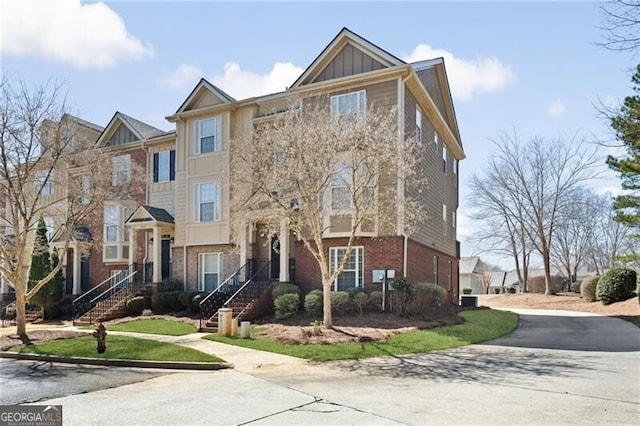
(626, 125)
(529, 182)
(45, 170)
(621, 25)
(308, 167)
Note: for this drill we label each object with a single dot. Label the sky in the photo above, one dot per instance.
(532, 67)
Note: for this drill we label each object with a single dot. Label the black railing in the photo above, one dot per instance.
(148, 272)
(216, 298)
(100, 299)
(7, 313)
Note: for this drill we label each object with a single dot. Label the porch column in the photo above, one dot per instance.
(243, 243)
(132, 245)
(157, 255)
(77, 279)
(284, 251)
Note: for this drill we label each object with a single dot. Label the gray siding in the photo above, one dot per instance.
(441, 187)
(349, 61)
(429, 79)
(121, 136)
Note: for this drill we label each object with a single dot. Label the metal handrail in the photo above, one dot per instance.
(226, 281)
(249, 281)
(114, 287)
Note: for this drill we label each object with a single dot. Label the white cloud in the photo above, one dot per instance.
(245, 84)
(184, 76)
(610, 190)
(467, 77)
(84, 35)
(556, 108)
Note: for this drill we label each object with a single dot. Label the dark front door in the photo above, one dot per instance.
(85, 274)
(275, 258)
(166, 259)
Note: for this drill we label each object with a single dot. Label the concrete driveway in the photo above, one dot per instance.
(543, 373)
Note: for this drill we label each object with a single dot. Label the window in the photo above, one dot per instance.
(435, 269)
(209, 269)
(449, 276)
(453, 225)
(208, 199)
(349, 105)
(418, 124)
(444, 159)
(455, 167)
(341, 183)
(48, 222)
(208, 136)
(352, 275)
(444, 219)
(44, 183)
(85, 189)
(121, 169)
(116, 236)
(435, 140)
(164, 166)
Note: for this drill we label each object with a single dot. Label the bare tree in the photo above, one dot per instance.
(313, 169)
(531, 182)
(621, 29)
(611, 241)
(45, 171)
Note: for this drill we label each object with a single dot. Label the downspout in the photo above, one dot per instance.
(145, 259)
(401, 184)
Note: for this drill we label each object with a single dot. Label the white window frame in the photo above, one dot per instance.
(444, 159)
(418, 123)
(115, 234)
(455, 167)
(164, 165)
(202, 272)
(435, 140)
(445, 219)
(216, 200)
(85, 189)
(44, 185)
(335, 258)
(342, 108)
(216, 133)
(121, 169)
(342, 180)
(450, 275)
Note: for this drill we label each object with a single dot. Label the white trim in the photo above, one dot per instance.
(216, 134)
(334, 260)
(202, 272)
(217, 201)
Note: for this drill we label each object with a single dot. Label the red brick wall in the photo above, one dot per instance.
(230, 263)
(420, 268)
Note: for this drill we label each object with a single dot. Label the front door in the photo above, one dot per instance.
(85, 274)
(275, 258)
(166, 258)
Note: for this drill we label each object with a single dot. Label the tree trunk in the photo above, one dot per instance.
(547, 274)
(326, 305)
(21, 315)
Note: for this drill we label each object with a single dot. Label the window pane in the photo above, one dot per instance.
(207, 144)
(163, 166)
(112, 233)
(125, 252)
(206, 212)
(340, 198)
(111, 252)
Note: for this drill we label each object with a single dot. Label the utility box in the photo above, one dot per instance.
(224, 322)
(245, 329)
(469, 301)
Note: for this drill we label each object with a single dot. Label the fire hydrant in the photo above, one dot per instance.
(101, 336)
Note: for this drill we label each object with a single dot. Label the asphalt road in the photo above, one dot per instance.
(555, 369)
(33, 381)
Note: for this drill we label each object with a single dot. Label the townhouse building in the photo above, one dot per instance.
(179, 221)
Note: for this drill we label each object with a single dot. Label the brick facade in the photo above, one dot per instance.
(230, 263)
(420, 268)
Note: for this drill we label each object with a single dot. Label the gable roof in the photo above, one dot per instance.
(203, 84)
(84, 123)
(150, 214)
(335, 46)
(468, 265)
(140, 129)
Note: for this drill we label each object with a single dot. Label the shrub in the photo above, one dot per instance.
(360, 300)
(147, 313)
(496, 290)
(186, 300)
(135, 305)
(313, 302)
(615, 285)
(588, 288)
(466, 290)
(575, 287)
(166, 302)
(426, 295)
(170, 285)
(284, 288)
(286, 305)
(511, 290)
(537, 284)
(375, 300)
(404, 294)
(339, 301)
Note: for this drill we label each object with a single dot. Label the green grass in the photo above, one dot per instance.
(155, 326)
(119, 347)
(479, 326)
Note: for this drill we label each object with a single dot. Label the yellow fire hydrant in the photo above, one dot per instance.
(101, 337)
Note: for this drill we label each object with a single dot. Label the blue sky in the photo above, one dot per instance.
(529, 66)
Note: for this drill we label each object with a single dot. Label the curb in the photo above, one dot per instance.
(172, 365)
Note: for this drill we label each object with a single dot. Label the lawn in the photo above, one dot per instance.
(479, 326)
(155, 326)
(119, 347)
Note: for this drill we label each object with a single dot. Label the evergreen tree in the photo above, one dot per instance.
(40, 261)
(626, 124)
(41, 265)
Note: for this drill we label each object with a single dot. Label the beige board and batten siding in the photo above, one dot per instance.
(162, 194)
(383, 95)
(440, 186)
(349, 61)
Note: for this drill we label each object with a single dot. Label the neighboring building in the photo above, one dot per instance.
(181, 220)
